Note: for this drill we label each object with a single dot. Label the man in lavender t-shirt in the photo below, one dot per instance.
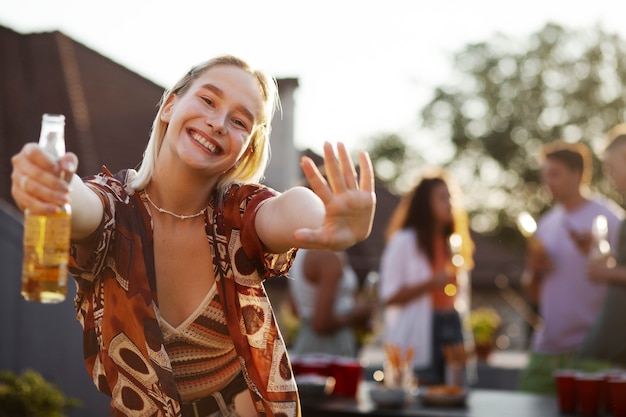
(568, 300)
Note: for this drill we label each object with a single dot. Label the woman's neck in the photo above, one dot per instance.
(179, 191)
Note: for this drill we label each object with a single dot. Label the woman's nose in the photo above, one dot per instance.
(217, 124)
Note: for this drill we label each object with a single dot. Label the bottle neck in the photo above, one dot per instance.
(52, 142)
(52, 137)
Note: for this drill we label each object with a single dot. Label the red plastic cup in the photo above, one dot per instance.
(604, 394)
(312, 364)
(617, 395)
(589, 393)
(566, 390)
(348, 374)
(609, 375)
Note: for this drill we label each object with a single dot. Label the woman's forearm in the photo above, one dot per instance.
(87, 209)
(281, 216)
(410, 293)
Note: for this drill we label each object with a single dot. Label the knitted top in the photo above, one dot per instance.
(203, 356)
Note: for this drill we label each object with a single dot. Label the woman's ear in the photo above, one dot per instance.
(166, 112)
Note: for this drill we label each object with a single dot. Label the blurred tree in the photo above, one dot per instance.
(394, 161)
(512, 96)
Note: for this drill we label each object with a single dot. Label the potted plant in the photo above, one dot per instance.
(30, 395)
(485, 322)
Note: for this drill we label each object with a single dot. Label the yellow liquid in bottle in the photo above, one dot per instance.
(46, 253)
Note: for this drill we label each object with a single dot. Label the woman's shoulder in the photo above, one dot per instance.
(118, 185)
(403, 236)
(241, 191)
(402, 241)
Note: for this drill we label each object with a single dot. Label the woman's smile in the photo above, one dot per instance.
(206, 142)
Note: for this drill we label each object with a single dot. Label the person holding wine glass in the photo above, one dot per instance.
(606, 340)
(568, 300)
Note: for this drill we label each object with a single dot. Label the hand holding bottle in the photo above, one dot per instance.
(537, 258)
(41, 191)
(39, 181)
(601, 270)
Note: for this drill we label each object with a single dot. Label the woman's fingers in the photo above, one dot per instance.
(347, 167)
(333, 171)
(68, 164)
(349, 199)
(316, 180)
(341, 173)
(366, 180)
(38, 181)
(340, 169)
(25, 200)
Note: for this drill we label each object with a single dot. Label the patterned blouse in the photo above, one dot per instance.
(116, 302)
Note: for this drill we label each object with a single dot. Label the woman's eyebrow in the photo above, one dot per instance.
(215, 89)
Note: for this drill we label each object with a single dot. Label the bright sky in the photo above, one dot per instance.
(365, 67)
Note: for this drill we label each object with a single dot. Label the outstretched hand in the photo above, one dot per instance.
(349, 200)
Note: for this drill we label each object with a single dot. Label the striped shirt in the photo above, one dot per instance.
(201, 350)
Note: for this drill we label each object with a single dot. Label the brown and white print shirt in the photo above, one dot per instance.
(123, 343)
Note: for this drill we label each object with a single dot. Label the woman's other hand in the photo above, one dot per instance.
(349, 201)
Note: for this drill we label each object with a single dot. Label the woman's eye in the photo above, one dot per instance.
(240, 123)
(207, 101)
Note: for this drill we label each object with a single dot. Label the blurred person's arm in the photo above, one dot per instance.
(537, 264)
(324, 268)
(291, 301)
(602, 272)
(411, 292)
(531, 283)
(396, 272)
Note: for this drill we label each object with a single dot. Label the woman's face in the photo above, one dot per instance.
(210, 125)
(441, 205)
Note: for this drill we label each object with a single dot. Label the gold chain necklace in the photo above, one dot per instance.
(178, 216)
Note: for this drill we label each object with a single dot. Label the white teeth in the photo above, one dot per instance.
(202, 141)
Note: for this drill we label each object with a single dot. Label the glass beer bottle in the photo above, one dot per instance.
(47, 237)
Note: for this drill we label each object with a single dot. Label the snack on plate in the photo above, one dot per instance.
(445, 390)
(444, 396)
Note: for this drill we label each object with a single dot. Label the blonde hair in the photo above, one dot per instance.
(251, 165)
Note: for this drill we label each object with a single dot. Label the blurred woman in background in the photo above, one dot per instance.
(424, 280)
(324, 294)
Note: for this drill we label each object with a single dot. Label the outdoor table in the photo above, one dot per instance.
(479, 403)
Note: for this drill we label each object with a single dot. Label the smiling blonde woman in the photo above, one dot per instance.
(170, 260)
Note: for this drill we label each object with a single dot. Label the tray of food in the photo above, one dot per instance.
(443, 396)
